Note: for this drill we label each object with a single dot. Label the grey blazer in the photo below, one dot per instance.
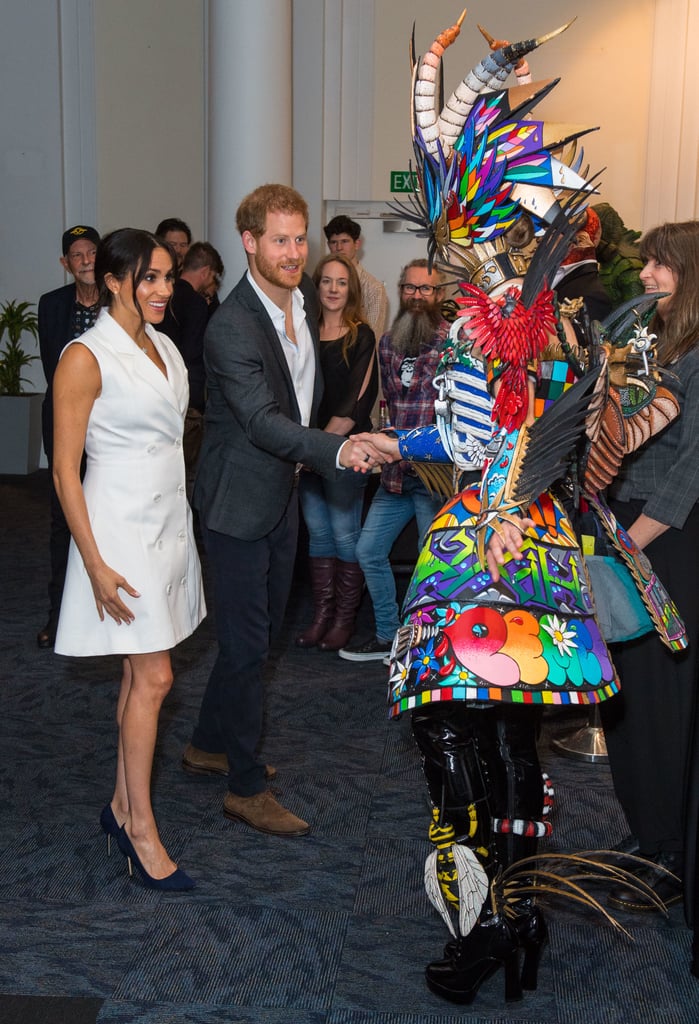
(253, 437)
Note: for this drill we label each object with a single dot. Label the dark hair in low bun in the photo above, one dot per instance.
(124, 253)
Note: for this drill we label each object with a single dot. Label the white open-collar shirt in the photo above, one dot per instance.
(300, 356)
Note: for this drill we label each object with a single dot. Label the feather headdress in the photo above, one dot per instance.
(482, 159)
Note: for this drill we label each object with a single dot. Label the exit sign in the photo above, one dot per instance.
(403, 181)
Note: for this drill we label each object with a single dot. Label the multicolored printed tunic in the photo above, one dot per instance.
(530, 638)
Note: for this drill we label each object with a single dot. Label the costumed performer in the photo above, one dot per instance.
(499, 616)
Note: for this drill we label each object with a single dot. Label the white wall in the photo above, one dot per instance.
(600, 59)
(672, 167)
(31, 154)
(150, 101)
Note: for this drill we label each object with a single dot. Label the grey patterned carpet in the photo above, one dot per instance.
(331, 929)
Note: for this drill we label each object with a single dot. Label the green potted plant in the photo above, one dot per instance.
(20, 412)
(15, 320)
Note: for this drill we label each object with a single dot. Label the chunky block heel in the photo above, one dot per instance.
(472, 960)
(533, 936)
(513, 985)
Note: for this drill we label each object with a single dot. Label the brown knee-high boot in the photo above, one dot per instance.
(349, 584)
(323, 589)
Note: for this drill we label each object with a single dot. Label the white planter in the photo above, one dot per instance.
(20, 433)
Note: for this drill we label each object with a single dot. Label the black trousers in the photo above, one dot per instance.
(648, 727)
(652, 727)
(252, 580)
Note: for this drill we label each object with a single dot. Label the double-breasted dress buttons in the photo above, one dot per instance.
(136, 495)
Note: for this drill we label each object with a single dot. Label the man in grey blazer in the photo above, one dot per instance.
(263, 391)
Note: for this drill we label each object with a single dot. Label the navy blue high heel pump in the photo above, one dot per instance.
(178, 881)
(109, 826)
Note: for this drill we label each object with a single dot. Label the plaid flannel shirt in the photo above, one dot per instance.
(415, 408)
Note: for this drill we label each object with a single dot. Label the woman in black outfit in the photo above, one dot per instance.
(656, 497)
(332, 509)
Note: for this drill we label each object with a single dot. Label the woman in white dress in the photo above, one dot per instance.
(133, 585)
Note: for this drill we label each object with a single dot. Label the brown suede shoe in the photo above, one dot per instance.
(200, 762)
(264, 813)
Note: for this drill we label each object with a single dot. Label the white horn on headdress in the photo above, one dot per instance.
(425, 75)
(488, 75)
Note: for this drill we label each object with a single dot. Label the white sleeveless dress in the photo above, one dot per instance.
(134, 488)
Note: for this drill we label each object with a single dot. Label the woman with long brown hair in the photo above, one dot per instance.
(656, 497)
(332, 509)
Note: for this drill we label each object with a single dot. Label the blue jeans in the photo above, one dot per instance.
(333, 513)
(387, 516)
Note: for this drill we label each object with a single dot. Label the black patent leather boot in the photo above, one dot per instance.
(448, 738)
(532, 934)
(493, 944)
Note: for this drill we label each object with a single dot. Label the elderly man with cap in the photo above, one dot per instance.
(64, 314)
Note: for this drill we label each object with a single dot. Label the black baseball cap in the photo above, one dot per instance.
(76, 234)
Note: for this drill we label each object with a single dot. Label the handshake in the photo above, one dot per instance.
(361, 452)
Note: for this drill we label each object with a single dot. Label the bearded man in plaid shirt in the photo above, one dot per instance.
(408, 358)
